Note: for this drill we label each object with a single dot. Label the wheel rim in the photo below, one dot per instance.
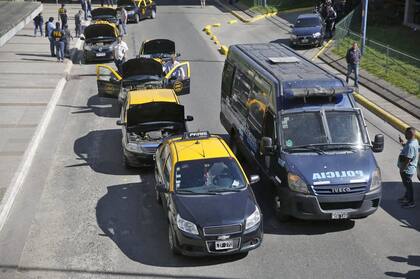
(277, 203)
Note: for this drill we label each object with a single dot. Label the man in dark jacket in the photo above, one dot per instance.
(38, 22)
(353, 60)
(62, 14)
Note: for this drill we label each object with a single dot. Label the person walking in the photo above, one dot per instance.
(84, 6)
(89, 8)
(330, 21)
(78, 23)
(67, 38)
(58, 37)
(62, 15)
(38, 23)
(353, 57)
(122, 20)
(203, 3)
(120, 50)
(48, 32)
(407, 162)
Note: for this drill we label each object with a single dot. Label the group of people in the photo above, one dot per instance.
(328, 14)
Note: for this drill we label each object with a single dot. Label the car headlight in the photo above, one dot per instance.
(376, 180)
(316, 35)
(186, 226)
(297, 184)
(253, 219)
(293, 36)
(88, 47)
(130, 12)
(133, 147)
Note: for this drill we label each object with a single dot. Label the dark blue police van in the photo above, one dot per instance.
(302, 127)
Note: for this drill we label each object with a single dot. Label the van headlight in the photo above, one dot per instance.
(186, 226)
(297, 184)
(253, 219)
(316, 35)
(376, 180)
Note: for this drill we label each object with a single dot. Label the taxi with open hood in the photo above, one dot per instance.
(141, 73)
(107, 14)
(99, 40)
(147, 118)
(138, 9)
(206, 196)
(159, 49)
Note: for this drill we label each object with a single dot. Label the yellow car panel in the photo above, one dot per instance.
(101, 69)
(116, 30)
(138, 97)
(184, 65)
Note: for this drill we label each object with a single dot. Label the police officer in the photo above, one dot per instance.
(58, 37)
(62, 14)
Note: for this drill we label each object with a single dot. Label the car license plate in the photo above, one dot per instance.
(304, 40)
(223, 245)
(339, 215)
(100, 54)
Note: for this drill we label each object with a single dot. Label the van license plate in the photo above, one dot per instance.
(100, 54)
(340, 215)
(223, 245)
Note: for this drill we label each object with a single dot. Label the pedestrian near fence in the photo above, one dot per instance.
(62, 14)
(78, 23)
(49, 28)
(38, 22)
(58, 37)
(407, 163)
(353, 57)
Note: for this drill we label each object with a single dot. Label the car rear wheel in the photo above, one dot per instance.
(153, 14)
(279, 210)
(171, 239)
(136, 18)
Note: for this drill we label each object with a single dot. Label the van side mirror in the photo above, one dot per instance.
(378, 143)
(254, 179)
(189, 118)
(120, 123)
(266, 146)
(161, 188)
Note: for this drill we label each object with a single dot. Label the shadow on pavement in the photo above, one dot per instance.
(410, 260)
(281, 41)
(100, 106)
(130, 216)
(409, 218)
(101, 150)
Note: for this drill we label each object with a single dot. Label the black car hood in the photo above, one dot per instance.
(141, 66)
(99, 30)
(156, 46)
(306, 31)
(216, 210)
(103, 12)
(155, 112)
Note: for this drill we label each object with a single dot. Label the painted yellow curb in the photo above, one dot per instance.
(213, 38)
(233, 21)
(216, 25)
(322, 50)
(391, 119)
(224, 50)
(254, 19)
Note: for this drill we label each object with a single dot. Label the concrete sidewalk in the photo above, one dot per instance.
(28, 78)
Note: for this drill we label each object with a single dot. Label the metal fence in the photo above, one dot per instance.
(381, 60)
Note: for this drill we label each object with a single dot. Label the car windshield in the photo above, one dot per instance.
(125, 2)
(307, 22)
(308, 129)
(209, 176)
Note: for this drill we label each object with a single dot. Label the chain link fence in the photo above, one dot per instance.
(383, 61)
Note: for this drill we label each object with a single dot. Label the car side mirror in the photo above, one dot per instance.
(378, 143)
(266, 146)
(161, 188)
(189, 118)
(120, 123)
(254, 179)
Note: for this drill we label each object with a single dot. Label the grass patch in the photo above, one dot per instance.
(393, 70)
(279, 5)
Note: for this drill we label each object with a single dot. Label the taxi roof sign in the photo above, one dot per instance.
(197, 135)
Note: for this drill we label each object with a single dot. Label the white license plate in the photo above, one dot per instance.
(305, 41)
(100, 54)
(339, 215)
(223, 245)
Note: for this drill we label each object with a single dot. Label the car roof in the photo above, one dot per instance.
(308, 16)
(199, 149)
(138, 97)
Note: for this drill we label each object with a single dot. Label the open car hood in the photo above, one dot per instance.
(158, 46)
(103, 12)
(141, 66)
(155, 112)
(99, 30)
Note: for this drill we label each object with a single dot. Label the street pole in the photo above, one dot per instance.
(364, 24)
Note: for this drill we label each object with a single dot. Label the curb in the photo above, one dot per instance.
(241, 18)
(386, 116)
(22, 171)
(9, 34)
(322, 50)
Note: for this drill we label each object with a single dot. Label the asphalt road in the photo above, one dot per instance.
(81, 214)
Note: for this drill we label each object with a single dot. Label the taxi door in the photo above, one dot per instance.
(179, 79)
(108, 81)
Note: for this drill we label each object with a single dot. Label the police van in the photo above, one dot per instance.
(302, 127)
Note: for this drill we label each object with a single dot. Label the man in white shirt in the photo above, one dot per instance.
(120, 50)
(168, 66)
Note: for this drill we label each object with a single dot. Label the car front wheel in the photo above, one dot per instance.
(172, 240)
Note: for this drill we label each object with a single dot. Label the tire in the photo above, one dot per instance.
(126, 163)
(137, 18)
(171, 241)
(153, 14)
(157, 197)
(278, 211)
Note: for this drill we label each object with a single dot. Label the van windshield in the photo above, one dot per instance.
(330, 130)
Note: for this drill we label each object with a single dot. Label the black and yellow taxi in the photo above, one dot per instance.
(161, 49)
(141, 73)
(105, 14)
(138, 9)
(147, 118)
(99, 40)
(206, 196)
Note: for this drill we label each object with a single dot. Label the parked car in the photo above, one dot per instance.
(138, 9)
(99, 39)
(105, 14)
(309, 29)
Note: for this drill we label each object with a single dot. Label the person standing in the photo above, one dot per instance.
(407, 162)
(89, 8)
(330, 21)
(38, 23)
(62, 14)
(48, 32)
(120, 50)
(353, 57)
(203, 3)
(58, 37)
(78, 23)
(67, 38)
(83, 4)
(122, 19)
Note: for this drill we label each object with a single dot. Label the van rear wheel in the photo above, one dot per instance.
(279, 210)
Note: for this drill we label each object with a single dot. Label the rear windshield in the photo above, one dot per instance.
(308, 22)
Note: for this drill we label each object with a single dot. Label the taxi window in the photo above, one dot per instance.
(241, 90)
(257, 103)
